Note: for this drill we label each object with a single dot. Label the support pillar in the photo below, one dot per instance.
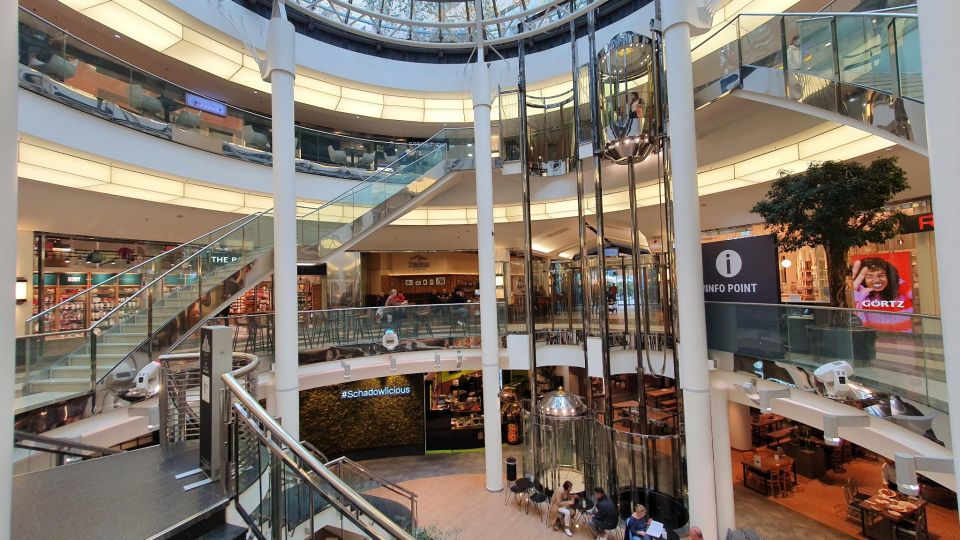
(941, 74)
(489, 339)
(279, 71)
(692, 343)
(8, 242)
(722, 460)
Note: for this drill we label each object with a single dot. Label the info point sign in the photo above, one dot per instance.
(741, 270)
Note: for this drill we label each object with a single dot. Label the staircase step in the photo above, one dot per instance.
(63, 384)
(225, 531)
(75, 371)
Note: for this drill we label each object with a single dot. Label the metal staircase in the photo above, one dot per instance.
(185, 286)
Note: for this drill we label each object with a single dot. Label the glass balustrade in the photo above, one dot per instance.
(60, 66)
(865, 66)
(896, 353)
(191, 282)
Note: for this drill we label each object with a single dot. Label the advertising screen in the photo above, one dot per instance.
(883, 290)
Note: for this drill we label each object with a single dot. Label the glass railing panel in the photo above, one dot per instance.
(866, 47)
(907, 31)
(890, 352)
(74, 72)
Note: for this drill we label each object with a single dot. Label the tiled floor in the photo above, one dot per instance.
(452, 496)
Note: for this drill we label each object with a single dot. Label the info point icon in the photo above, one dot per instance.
(729, 263)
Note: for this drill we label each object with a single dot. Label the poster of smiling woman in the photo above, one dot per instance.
(883, 290)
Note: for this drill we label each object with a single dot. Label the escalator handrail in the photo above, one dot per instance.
(133, 268)
(382, 173)
(244, 222)
(19, 436)
(253, 410)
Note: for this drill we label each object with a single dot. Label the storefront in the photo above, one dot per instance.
(803, 273)
(422, 277)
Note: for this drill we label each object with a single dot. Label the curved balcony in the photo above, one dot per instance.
(61, 67)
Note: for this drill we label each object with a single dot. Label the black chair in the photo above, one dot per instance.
(519, 491)
(538, 499)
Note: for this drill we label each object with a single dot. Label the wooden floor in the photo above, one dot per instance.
(461, 506)
(822, 499)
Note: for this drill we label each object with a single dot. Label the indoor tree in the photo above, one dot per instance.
(837, 205)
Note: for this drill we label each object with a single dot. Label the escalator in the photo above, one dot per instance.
(860, 69)
(185, 286)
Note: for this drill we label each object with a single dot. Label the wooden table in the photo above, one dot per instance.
(768, 465)
(776, 436)
(658, 394)
(763, 423)
(878, 505)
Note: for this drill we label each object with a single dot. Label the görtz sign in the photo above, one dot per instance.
(741, 270)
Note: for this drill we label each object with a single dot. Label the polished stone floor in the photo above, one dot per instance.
(771, 520)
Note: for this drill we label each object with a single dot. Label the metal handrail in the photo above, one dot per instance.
(252, 408)
(368, 182)
(802, 14)
(166, 273)
(131, 269)
(820, 307)
(386, 483)
(60, 443)
(201, 94)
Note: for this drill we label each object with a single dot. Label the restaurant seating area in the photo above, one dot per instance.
(840, 486)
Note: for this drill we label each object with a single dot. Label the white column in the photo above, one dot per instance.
(8, 244)
(489, 336)
(941, 77)
(722, 461)
(280, 72)
(692, 345)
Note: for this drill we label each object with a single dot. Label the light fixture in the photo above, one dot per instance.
(833, 423)
(21, 290)
(436, 361)
(346, 369)
(908, 465)
(499, 280)
(393, 364)
(459, 359)
(786, 263)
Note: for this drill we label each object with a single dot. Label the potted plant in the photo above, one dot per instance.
(840, 206)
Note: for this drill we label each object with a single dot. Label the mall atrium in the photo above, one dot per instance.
(463, 269)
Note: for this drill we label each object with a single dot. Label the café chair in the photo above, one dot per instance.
(855, 490)
(853, 504)
(541, 501)
(773, 483)
(142, 101)
(253, 138)
(786, 481)
(366, 160)
(915, 529)
(518, 490)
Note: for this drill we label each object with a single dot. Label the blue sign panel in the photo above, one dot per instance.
(206, 105)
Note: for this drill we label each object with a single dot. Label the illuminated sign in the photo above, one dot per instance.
(385, 391)
(206, 105)
(916, 223)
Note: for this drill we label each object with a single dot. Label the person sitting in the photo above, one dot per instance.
(637, 524)
(562, 505)
(604, 514)
(696, 533)
(458, 312)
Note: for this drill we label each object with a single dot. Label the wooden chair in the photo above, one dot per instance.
(773, 483)
(855, 490)
(914, 530)
(786, 481)
(853, 508)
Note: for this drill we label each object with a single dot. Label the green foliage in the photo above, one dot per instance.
(435, 533)
(837, 205)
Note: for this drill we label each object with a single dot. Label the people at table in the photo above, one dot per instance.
(637, 523)
(395, 298)
(562, 505)
(604, 514)
(889, 471)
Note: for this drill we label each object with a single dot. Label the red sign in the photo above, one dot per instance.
(883, 289)
(916, 223)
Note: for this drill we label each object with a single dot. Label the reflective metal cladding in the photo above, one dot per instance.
(626, 82)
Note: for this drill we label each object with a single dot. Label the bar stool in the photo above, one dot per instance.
(786, 481)
(305, 331)
(360, 327)
(773, 483)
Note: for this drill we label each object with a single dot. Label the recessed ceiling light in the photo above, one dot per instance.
(116, 36)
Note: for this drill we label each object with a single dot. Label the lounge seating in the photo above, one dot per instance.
(253, 138)
(56, 66)
(142, 102)
(337, 156)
